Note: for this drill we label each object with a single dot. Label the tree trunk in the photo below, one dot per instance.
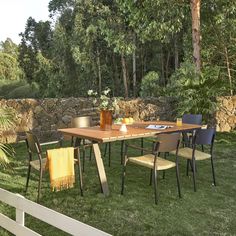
(125, 79)
(176, 52)
(195, 10)
(99, 72)
(228, 70)
(116, 86)
(167, 69)
(162, 64)
(134, 70)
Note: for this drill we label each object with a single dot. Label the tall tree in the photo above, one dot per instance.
(219, 33)
(9, 65)
(36, 38)
(195, 10)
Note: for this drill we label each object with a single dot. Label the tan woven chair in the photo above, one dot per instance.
(152, 160)
(83, 122)
(201, 137)
(37, 161)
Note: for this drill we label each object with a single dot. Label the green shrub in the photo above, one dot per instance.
(18, 89)
(196, 93)
(25, 91)
(150, 85)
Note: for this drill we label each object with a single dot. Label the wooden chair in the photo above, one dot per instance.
(82, 122)
(201, 137)
(38, 162)
(165, 143)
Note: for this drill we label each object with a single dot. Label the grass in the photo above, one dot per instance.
(209, 211)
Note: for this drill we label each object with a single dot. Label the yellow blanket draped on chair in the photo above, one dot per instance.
(61, 168)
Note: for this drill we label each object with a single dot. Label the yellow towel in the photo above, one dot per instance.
(61, 168)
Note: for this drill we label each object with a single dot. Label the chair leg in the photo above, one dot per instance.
(27, 180)
(164, 172)
(83, 168)
(189, 163)
(123, 176)
(187, 169)
(177, 178)
(40, 184)
(142, 145)
(194, 175)
(121, 152)
(72, 141)
(151, 177)
(90, 153)
(80, 174)
(109, 154)
(155, 185)
(213, 171)
(105, 151)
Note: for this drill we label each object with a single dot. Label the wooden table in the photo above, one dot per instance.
(136, 130)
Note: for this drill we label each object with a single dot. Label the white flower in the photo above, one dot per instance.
(106, 91)
(104, 102)
(90, 92)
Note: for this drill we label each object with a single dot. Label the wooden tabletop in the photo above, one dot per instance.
(136, 130)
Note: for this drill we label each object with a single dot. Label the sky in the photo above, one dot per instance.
(14, 14)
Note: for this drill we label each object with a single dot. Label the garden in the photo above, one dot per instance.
(209, 211)
(140, 61)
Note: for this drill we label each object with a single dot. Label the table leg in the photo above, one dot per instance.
(101, 170)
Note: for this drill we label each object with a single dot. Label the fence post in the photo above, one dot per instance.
(20, 214)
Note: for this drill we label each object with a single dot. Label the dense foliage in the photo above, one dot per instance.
(117, 44)
(6, 121)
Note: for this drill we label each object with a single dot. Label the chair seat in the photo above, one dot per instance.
(187, 153)
(148, 160)
(35, 164)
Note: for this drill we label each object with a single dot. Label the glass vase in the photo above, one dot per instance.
(105, 119)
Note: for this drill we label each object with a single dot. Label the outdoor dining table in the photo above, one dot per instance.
(134, 131)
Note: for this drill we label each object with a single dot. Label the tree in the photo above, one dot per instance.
(219, 32)
(9, 65)
(88, 43)
(35, 48)
(195, 10)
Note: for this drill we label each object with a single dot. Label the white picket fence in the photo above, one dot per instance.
(42, 213)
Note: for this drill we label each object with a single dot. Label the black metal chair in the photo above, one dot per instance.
(165, 143)
(201, 137)
(187, 136)
(37, 161)
(195, 119)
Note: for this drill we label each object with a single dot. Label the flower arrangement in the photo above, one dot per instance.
(104, 101)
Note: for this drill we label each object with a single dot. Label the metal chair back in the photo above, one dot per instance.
(81, 122)
(195, 119)
(205, 136)
(167, 142)
(33, 143)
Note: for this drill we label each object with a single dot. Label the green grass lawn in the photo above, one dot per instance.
(209, 211)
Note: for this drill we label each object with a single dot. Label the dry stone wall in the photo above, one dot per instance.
(45, 116)
(225, 117)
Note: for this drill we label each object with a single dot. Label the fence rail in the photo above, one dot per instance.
(42, 213)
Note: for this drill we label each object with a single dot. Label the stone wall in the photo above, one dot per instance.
(45, 116)
(226, 114)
